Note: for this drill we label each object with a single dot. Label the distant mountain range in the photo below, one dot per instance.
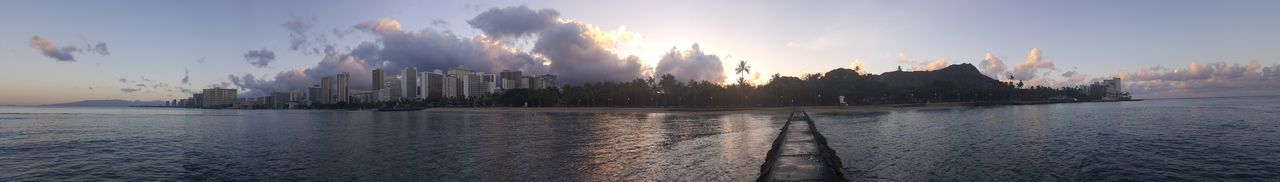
(109, 103)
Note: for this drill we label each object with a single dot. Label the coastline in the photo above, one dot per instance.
(754, 110)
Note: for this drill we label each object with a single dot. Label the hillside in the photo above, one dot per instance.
(960, 75)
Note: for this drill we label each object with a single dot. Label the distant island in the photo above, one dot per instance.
(108, 103)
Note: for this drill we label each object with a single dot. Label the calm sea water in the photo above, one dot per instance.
(1215, 139)
(1154, 140)
(91, 144)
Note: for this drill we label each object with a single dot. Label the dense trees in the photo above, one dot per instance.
(952, 84)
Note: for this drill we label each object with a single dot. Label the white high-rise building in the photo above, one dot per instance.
(392, 88)
(464, 81)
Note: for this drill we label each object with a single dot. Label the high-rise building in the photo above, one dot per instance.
(431, 85)
(510, 79)
(392, 89)
(314, 95)
(343, 89)
(462, 81)
(547, 81)
(326, 90)
(1113, 88)
(218, 97)
(280, 100)
(489, 82)
(450, 86)
(474, 85)
(377, 79)
(409, 85)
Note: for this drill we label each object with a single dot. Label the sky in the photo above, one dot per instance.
(63, 51)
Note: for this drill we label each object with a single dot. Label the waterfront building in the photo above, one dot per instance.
(218, 97)
(377, 79)
(409, 83)
(1113, 89)
(314, 95)
(473, 85)
(343, 89)
(392, 89)
(432, 84)
(545, 81)
(509, 79)
(280, 100)
(489, 83)
(326, 90)
(450, 87)
(463, 81)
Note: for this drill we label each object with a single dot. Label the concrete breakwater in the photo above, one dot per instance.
(800, 153)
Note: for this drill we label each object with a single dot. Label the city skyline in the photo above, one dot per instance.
(168, 50)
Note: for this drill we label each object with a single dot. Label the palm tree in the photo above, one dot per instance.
(742, 68)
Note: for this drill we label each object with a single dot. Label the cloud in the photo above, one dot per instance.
(260, 58)
(514, 21)
(48, 49)
(993, 67)
(922, 65)
(574, 51)
(1203, 79)
(1074, 78)
(792, 44)
(130, 90)
(123, 80)
(860, 66)
(64, 53)
(578, 54)
(298, 27)
(186, 77)
(1030, 70)
(439, 22)
(249, 81)
(383, 27)
(934, 65)
(691, 64)
(100, 48)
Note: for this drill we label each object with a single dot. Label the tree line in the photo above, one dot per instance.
(818, 89)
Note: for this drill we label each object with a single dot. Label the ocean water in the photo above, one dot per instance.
(146, 144)
(1215, 139)
(1212, 139)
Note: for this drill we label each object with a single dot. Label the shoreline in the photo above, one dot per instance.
(770, 110)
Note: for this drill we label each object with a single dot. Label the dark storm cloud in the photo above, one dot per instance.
(430, 49)
(691, 64)
(578, 55)
(515, 21)
(576, 52)
(64, 53)
(260, 58)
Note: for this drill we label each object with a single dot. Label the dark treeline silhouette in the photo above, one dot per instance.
(955, 83)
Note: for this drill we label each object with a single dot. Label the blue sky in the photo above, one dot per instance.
(160, 40)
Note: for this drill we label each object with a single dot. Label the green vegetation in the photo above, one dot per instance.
(956, 83)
